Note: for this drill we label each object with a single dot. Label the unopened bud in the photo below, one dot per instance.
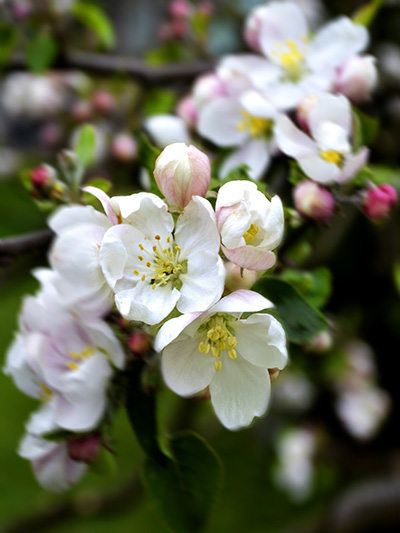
(103, 101)
(187, 110)
(321, 343)
(313, 201)
(84, 449)
(357, 78)
(179, 8)
(69, 162)
(182, 172)
(239, 278)
(124, 147)
(252, 28)
(379, 201)
(40, 177)
(139, 344)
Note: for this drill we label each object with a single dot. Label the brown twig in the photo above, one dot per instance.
(14, 246)
(111, 64)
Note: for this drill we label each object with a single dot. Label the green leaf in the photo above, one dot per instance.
(185, 490)
(105, 464)
(300, 320)
(8, 40)
(147, 155)
(101, 183)
(40, 52)
(384, 175)
(159, 101)
(85, 145)
(96, 20)
(366, 14)
(365, 128)
(315, 286)
(141, 407)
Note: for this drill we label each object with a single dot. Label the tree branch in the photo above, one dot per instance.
(13, 246)
(111, 64)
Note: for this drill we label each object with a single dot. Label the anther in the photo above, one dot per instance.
(218, 365)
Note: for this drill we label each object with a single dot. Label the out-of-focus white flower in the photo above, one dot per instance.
(357, 78)
(298, 65)
(230, 355)
(62, 6)
(153, 267)
(294, 392)
(32, 95)
(251, 226)
(65, 361)
(124, 147)
(327, 156)
(363, 410)
(295, 470)
(245, 121)
(166, 129)
(53, 467)
(182, 172)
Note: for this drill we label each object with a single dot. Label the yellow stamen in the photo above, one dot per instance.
(256, 126)
(157, 237)
(218, 365)
(148, 264)
(143, 277)
(72, 365)
(332, 156)
(140, 257)
(136, 272)
(141, 247)
(251, 233)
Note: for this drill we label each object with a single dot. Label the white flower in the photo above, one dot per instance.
(166, 129)
(357, 78)
(298, 65)
(153, 265)
(244, 121)
(328, 156)
(250, 225)
(230, 355)
(64, 361)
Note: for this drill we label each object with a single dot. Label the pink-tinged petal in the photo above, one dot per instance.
(336, 42)
(70, 216)
(241, 301)
(203, 284)
(353, 164)
(250, 257)
(185, 370)
(218, 122)
(145, 304)
(105, 202)
(292, 141)
(280, 23)
(254, 152)
(233, 222)
(261, 340)
(330, 108)
(172, 329)
(239, 392)
(196, 229)
(319, 170)
(201, 171)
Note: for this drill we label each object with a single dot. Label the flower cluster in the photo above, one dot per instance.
(158, 264)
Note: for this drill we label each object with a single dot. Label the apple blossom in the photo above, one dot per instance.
(357, 78)
(379, 200)
(230, 355)
(327, 155)
(153, 265)
(313, 201)
(251, 226)
(180, 173)
(166, 129)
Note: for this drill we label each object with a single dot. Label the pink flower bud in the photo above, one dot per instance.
(313, 201)
(139, 344)
(239, 278)
(84, 449)
(103, 101)
(124, 147)
(181, 173)
(304, 108)
(179, 8)
(379, 201)
(357, 78)
(40, 177)
(179, 28)
(187, 110)
(82, 111)
(321, 343)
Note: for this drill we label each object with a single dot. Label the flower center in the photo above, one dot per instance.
(290, 58)
(219, 337)
(251, 233)
(81, 356)
(45, 394)
(256, 126)
(162, 264)
(332, 156)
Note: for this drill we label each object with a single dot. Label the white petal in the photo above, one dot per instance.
(292, 141)
(114, 254)
(319, 170)
(239, 392)
(166, 129)
(255, 153)
(105, 202)
(241, 301)
(185, 370)
(353, 165)
(261, 341)
(257, 105)
(172, 329)
(335, 42)
(285, 95)
(218, 122)
(330, 108)
(103, 337)
(75, 215)
(18, 368)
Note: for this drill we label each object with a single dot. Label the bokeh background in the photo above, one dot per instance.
(326, 457)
